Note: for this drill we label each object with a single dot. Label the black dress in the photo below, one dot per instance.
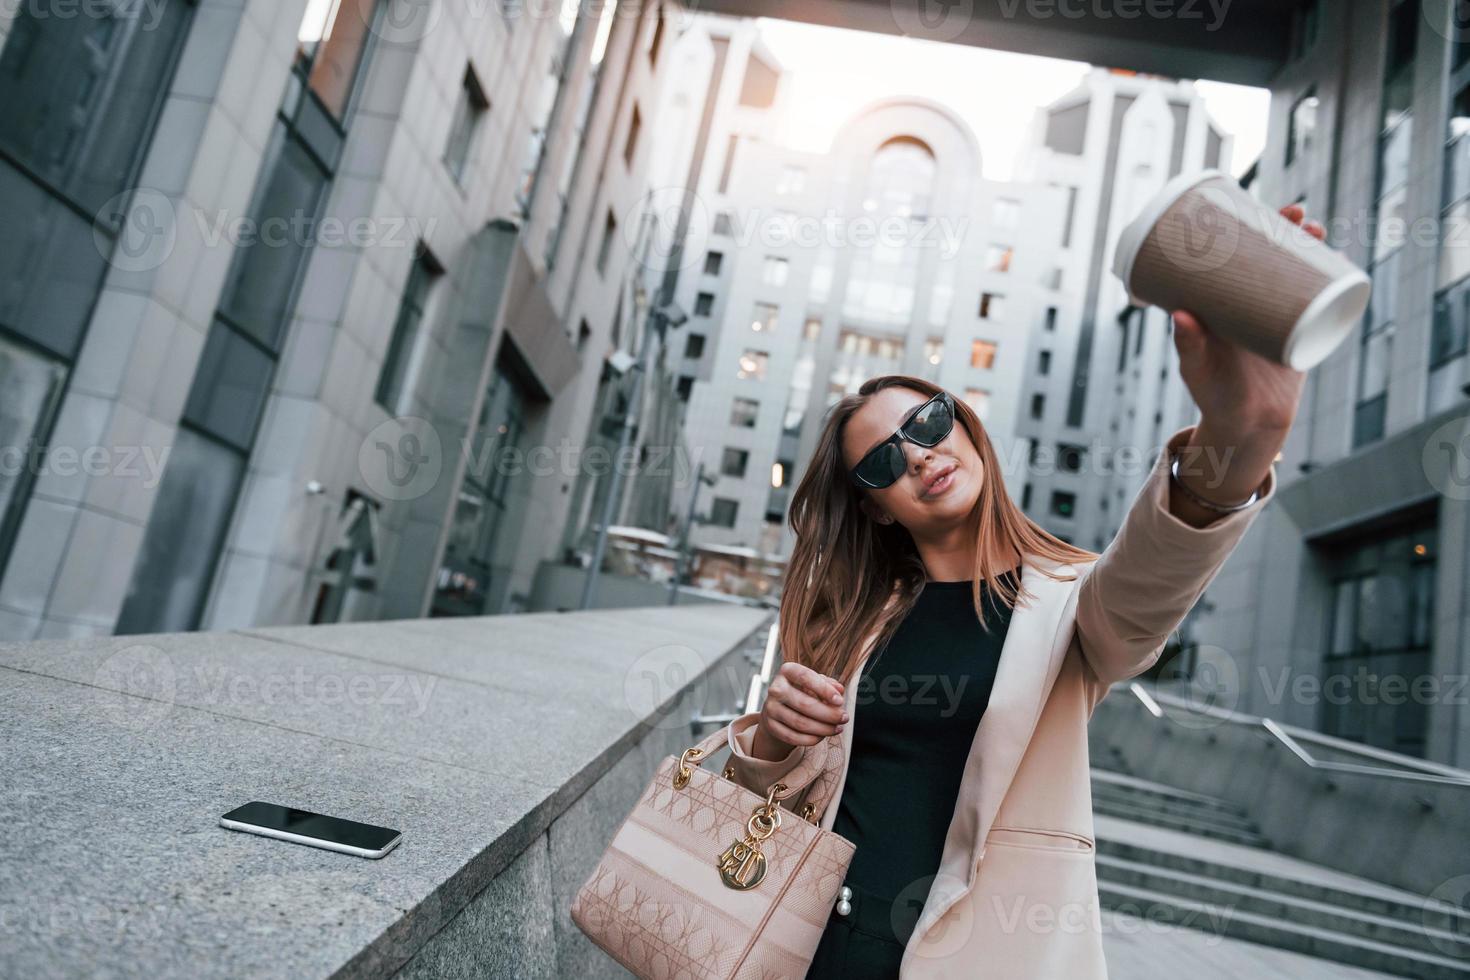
(919, 701)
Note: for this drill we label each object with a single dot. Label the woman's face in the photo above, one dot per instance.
(940, 484)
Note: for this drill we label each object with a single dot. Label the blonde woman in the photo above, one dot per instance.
(976, 646)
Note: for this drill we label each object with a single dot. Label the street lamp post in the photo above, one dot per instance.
(700, 479)
(660, 317)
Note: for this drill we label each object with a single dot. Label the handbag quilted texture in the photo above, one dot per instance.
(659, 902)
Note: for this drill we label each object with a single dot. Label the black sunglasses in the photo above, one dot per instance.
(927, 426)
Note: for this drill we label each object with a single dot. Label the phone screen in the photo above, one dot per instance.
(304, 823)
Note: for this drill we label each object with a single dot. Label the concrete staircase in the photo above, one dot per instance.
(1198, 862)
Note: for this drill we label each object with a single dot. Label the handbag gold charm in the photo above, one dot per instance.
(742, 865)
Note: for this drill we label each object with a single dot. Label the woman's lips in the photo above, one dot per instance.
(941, 485)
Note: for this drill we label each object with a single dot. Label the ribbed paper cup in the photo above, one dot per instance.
(1206, 246)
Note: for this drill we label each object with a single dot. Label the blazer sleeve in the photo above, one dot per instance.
(753, 773)
(1151, 574)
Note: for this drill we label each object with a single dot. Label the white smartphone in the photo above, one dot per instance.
(312, 829)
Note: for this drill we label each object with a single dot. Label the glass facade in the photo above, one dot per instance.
(884, 277)
(206, 466)
(81, 96)
(1379, 636)
(1389, 226)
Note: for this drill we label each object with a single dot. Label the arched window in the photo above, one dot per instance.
(898, 197)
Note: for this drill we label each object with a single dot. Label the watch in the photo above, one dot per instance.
(1207, 504)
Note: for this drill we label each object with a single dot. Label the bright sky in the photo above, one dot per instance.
(836, 72)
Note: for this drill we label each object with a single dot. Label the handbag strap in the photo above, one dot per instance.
(819, 765)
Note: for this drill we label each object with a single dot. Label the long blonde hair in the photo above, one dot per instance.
(850, 576)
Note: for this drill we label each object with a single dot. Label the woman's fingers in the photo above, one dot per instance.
(819, 686)
(796, 721)
(804, 703)
(1297, 215)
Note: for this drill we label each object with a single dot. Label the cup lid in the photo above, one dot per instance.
(1130, 240)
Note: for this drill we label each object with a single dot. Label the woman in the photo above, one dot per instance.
(966, 788)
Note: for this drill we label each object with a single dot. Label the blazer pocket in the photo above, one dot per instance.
(1046, 840)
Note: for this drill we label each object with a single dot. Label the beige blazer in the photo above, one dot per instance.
(1015, 895)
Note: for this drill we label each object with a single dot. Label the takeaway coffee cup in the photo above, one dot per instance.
(1206, 246)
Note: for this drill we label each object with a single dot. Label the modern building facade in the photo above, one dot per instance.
(887, 254)
(1102, 389)
(295, 291)
(1346, 608)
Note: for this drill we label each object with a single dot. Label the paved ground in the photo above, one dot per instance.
(1141, 950)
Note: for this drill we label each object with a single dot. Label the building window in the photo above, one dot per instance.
(1026, 497)
(405, 352)
(1005, 213)
(1068, 215)
(713, 262)
(635, 127)
(1447, 337)
(979, 401)
(1051, 318)
(982, 354)
(657, 43)
(775, 271)
(758, 88)
(1304, 28)
(998, 258)
(704, 304)
(1381, 627)
(813, 328)
(694, 345)
(763, 319)
(1301, 126)
(1038, 406)
(791, 181)
(1053, 278)
(468, 112)
(604, 252)
(1070, 457)
(991, 306)
(753, 365)
(934, 351)
(743, 412)
(883, 280)
(728, 170)
(32, 385)
(734, 462)
(1043, 363)
(685, 387)
(1063, 504)
(1389, 224)
(724, 224)
(722, 512)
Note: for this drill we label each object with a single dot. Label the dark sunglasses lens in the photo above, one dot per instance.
(932, 423)
(881, 467)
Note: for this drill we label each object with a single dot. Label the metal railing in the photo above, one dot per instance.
(1407, 767)
(755, 694)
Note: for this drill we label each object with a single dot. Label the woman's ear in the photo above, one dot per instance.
(873, 511)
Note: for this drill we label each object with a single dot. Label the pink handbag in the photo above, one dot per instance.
(705, 879)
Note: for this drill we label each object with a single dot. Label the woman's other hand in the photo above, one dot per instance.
(802, 707)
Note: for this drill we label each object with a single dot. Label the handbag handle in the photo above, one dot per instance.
(818, 766)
